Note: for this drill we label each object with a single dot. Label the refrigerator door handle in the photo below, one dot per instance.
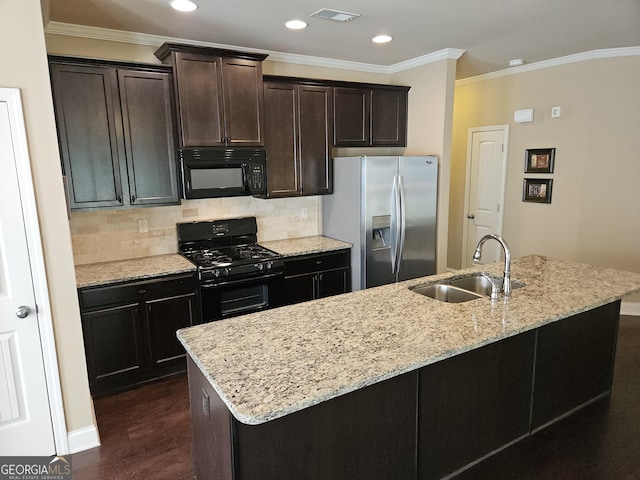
(396, 224)
(401, 223)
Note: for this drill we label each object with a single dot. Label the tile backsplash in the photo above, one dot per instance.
(108, 235)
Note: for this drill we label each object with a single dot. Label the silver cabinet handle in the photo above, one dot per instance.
(471, 216)
(23, 311)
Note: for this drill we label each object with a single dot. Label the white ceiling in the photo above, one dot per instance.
(491, 32)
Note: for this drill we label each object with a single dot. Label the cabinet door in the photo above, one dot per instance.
(333, 282)
(300, 288)
(281, 139)
(199, 80)
(147, 116)
(164, 317)
(243, 101)
(114, 346)
(351, 122)
(574, 363)
(87, 114)
(388, 118)
(315, 139)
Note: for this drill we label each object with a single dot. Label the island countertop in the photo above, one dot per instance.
(269, 364)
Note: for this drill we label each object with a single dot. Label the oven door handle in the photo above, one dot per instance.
(239, 282)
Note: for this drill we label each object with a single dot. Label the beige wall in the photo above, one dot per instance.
(430, 130)
(24, 65)
(593, 217)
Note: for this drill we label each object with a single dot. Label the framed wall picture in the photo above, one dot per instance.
(537, 190)
(539, 160)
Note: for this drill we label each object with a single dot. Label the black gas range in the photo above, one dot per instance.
(237, 275)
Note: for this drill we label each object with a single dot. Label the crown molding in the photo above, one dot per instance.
(444, 54)
(554, 62)
(99, 33)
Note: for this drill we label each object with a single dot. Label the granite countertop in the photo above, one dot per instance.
(272, 363)
(106, 273)
(305, 245)
(134, 269)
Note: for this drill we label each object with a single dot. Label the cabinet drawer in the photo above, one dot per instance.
(99, 297)
(316, 263)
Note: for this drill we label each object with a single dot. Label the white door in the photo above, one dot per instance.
(485, 187)
(25, 418)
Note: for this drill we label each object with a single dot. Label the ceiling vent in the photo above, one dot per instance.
(336, 15)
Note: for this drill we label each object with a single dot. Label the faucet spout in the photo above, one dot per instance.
(506, 280)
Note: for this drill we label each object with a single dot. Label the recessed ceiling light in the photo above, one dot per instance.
(295, 24)
(381, 39)
(183, 5)
(516, 62)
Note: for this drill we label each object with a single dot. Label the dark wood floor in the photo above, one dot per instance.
(145, 434)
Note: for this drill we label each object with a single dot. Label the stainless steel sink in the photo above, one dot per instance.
(462, 289)
(476, 283)
(446, 293)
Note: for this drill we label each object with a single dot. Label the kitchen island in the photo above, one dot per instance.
(386, 383)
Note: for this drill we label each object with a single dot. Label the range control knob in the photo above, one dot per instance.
(227, 271)
(216, 273)
(269, 265)
(260, 266)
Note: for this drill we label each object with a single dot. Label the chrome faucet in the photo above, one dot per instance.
(506, 280)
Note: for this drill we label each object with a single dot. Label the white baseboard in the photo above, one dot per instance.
(630, 308)
(83, 439)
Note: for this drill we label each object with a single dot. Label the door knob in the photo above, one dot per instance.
(471, 216)
(23, 311)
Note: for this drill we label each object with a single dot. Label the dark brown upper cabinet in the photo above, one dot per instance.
(219, 95)
(116, 132)
(298, 137)
(370, 116)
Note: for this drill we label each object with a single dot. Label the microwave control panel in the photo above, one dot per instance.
(256, 177)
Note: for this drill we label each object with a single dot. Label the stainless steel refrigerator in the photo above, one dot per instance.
(385, 207)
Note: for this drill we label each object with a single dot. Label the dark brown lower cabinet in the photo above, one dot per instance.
(574, 363)
(427, 424)
(130, 330)
(368, 434)
(473, 404)
(308, 277)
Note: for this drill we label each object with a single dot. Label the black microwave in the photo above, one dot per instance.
(214, 172)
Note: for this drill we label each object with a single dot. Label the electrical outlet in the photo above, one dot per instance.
(556, 112)
(206, 404)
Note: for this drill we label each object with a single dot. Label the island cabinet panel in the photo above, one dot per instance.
(574, 363)
(473, 404)
(130, 330)
(308, 277)
(368, 434)
(298, 138)
(219, 95)
(116, 132)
